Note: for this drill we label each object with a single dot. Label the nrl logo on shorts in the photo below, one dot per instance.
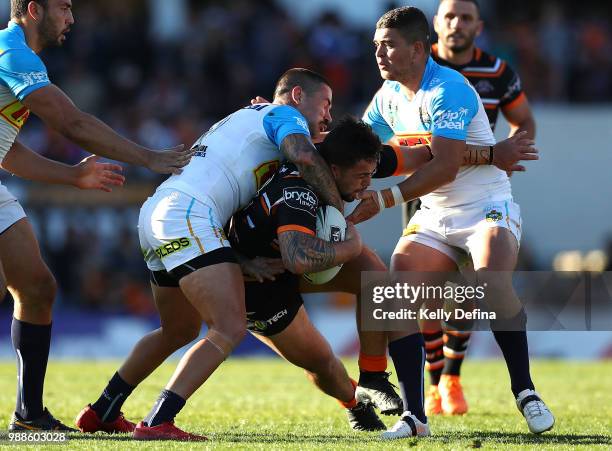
(494, 216)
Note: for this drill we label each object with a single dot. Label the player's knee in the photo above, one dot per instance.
(38, 290)
(321, 362)
(232, 332)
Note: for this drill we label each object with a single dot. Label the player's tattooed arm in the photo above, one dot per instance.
(507, 154)
(305, 253)
(299, 149)
(302, 252)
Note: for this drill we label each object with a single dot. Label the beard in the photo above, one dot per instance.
(468, 41)
(49, 35)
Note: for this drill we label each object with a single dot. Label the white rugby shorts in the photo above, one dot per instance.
(174, 228)
(10, 209)
(453, 231)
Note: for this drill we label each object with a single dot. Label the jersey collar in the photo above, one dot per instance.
(14, 27)
(430, 69)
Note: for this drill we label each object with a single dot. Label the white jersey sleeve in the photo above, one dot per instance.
(234, 158)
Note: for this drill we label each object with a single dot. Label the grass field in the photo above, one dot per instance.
(263, 404)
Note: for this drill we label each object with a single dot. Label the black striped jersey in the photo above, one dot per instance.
(286, 202)
(498, 86)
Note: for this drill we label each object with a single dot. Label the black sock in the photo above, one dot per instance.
(167, 406)
(434, 355)
(408, 356)
(112, 398)
(454, 351)
(31, 344)
(513, 345)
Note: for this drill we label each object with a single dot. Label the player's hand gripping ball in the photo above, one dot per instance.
(331, 226)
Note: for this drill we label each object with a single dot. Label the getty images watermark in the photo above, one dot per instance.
(429, 294)
(477, 301)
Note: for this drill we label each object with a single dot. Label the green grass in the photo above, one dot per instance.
(263, 404)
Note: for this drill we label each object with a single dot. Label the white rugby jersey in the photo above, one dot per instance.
(237, 155)
(445, 105)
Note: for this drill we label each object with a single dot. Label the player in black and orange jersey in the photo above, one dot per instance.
(276, 237)
(457, 24)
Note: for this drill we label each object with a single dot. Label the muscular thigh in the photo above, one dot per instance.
(495, 249)
(175, 311)
(20, 256)
(300, 343)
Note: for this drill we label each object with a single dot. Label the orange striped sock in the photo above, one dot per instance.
(372, 363)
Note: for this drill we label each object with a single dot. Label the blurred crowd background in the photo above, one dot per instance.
(162, 71)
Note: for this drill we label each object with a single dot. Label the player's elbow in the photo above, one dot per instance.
(294, 266)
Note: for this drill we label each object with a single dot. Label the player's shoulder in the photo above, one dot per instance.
(282, 110)
(15, 55)
(485, 64)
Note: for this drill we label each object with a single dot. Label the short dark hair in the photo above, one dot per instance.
(309, 80)
(19, 8)
(349, 142)
(474, 2)
(410, 22)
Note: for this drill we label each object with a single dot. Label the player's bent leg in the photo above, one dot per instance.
(495, 255)
(33, 289)
(301, 344)
(373, 344)
(180, 324)
(216, 291)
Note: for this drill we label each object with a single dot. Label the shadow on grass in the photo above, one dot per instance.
(477, 439)
(522, 438)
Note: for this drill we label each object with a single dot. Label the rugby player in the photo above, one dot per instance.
(280, 222)
(25, 88)
(457, 24)
(195, 277)
(466, 208)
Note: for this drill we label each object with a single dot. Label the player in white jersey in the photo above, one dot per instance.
(194, 273)
(467, 209)
(24, 87)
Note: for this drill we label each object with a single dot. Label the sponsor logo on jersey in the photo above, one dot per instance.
(301, 122)
(484, 87)
(452, 120)
(413, 139)
(264, 172)
(15, 114)
(33, 78)
(301, 198)
(173, 246)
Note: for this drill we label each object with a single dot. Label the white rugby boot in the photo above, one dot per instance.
(538, 417)
(407, 426)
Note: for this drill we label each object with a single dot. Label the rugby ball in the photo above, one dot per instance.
(331, 226)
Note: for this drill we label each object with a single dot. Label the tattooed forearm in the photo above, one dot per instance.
(476, 155)
(313, 168)
(306, 253)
